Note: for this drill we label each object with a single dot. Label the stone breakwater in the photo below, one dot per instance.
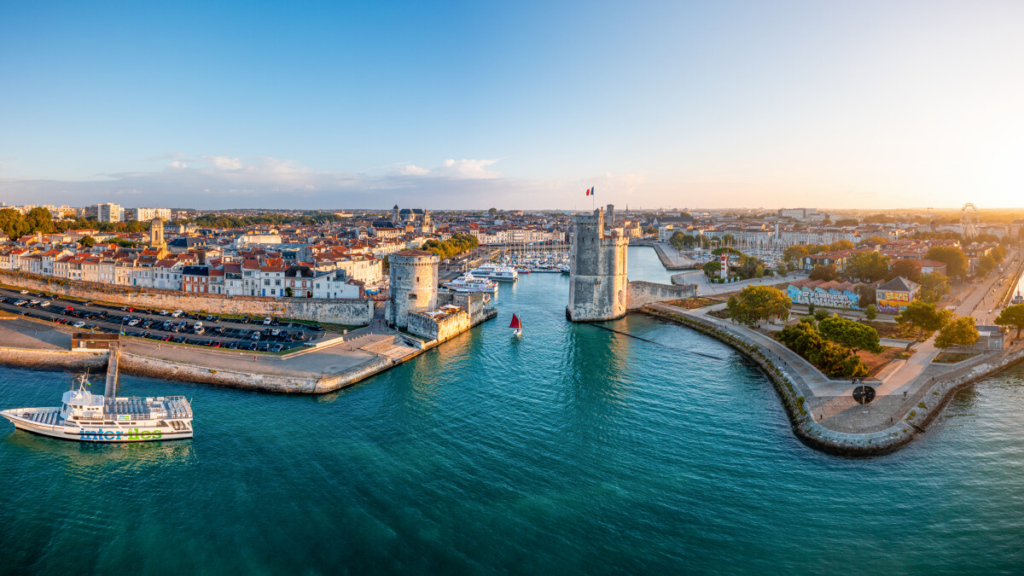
(143, 365)
(787, 384)
(57, 360)
(139, 365)
(350, 312)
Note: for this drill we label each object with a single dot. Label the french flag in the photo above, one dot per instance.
(590, 191)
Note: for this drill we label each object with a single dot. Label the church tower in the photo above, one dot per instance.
(156, 234)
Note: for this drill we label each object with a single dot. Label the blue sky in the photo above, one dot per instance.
(519, 104)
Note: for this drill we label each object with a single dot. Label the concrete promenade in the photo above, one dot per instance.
(833, 419)
(359, 354)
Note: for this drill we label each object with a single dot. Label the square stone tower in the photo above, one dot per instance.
(598, 288)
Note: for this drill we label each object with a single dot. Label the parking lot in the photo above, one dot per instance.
(251, 333)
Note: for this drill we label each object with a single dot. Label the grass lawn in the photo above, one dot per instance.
(876, 362)
(887, 330)
(693, 303)
(953, 357)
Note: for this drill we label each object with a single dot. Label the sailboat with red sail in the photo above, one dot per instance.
(517, 324)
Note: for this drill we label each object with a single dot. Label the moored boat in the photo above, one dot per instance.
(88, 417)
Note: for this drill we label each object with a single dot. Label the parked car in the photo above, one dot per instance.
(44, 304)
(275, 332)
(23, 292)
(200, 330)
(79, 324)
(277, 348)
(177, 313)
(316, 328)
(21, 302)
(255, 335)
(166, 338)
(233, 345)
(216, 344)
(267, 321)
(133, 322)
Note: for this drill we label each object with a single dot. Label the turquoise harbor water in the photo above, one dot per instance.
(574, 450)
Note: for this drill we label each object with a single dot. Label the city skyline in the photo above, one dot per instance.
(526, 106)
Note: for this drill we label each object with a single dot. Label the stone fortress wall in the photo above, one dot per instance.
(413, 285)
(598, 288)
(353, 312)
(643, 293)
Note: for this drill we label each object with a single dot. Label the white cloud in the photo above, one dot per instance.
(413, 170)
(470, 169)
(224, 162)
(178, 164)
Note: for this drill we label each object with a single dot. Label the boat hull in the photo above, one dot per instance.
(108, 434)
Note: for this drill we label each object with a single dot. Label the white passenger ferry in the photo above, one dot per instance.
(88, 417)
(495, 272)
(470, 283)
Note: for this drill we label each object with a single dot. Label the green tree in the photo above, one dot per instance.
(954, 259)
(959, 331)
(492, 211)
(726, 250)
(985, 265)
(756, 303)
(850, 333)
(847, 222)
(728, 239)
(905, 268)
(868, 266)
(820, 315)
(711, 267)
(934, 286)
(783, 268)
(87, 241)
(795, 253)
(866, 295)
(1012, 316)
(831, 358)
(841, 245)
(40, 220)
(871, 312)
(759, 271)
(289, 292)
(385, 263)
(923, 316)
(826, 273)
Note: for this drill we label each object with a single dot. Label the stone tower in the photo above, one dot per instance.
(598, 289)
(413, 278)
(156, 234)
(609, 216)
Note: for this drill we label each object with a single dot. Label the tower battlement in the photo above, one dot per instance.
(598, 289)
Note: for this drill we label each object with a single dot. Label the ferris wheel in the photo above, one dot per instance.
(969, 221)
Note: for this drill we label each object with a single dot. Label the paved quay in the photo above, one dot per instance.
(833, 418)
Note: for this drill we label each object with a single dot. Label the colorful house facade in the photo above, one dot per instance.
(895, 295)
(826, 294)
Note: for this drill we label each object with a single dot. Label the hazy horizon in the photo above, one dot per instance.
(524, 106)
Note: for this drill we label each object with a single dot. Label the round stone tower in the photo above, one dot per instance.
(413, 285)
